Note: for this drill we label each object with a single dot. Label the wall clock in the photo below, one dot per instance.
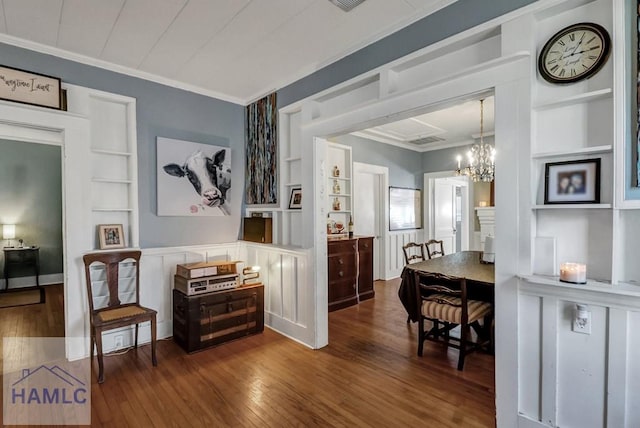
(574, 53)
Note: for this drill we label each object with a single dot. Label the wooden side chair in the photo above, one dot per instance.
(413, 253)
(434, 248)
(119, 304)
(443, 301)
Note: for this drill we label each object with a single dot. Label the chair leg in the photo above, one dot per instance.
(154, 360)
(464, 336)
(409, 319)
(420, 336)
(98, 335)
(135, 344)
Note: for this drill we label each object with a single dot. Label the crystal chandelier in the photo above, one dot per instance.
(481, 157)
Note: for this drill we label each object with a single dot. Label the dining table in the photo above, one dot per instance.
(480, 277)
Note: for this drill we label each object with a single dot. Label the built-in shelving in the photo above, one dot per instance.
(576, 99)
(571, 206)
(577, 152)
(340, 156)
(111, 180)
(106, 210)
(293, 159)
(110, 152)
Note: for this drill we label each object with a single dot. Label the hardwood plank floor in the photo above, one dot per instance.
(368, 376)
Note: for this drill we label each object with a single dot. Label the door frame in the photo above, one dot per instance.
(429, 210)
(383, 210)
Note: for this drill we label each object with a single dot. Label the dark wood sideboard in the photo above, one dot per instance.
(350, 271)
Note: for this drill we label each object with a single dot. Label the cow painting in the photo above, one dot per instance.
(199, 180)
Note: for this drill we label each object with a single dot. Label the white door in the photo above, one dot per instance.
(367, 203)
(445, 214)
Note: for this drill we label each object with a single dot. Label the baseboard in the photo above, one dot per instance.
(527, 422)
(30, 281)
(164, 330)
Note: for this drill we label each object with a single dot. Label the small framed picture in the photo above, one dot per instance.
(572, 182)
(111, 236)
(295, 201)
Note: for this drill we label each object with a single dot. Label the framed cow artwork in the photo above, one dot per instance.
(193, 179)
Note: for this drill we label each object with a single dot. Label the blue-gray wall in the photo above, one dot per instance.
(405, 166)
(31, 198)
(453, 19)
(161, 111)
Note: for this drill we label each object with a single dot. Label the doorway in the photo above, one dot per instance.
(370, 183)
(448, 210)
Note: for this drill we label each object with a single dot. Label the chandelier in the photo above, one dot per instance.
(481, 157)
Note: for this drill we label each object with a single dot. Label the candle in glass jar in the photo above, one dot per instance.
(573, 272)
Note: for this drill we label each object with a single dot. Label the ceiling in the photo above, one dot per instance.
(452, 126)
(237, 50)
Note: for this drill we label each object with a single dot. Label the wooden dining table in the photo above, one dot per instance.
(464, 264)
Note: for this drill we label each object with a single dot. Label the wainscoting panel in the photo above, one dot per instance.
(395, 242)
(586, 380)
(285, 277)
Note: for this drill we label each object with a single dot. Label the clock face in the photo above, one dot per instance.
(574, 53)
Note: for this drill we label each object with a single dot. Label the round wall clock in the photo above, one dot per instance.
(574, 53)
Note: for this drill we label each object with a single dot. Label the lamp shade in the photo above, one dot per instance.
(8, 231)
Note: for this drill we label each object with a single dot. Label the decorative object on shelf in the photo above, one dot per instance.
(572, 182)
(575, 273)
(330, 225)
(295, 200)
(9, 233)
(574, 53)
(481, 157)
(336, 187)
(483, 204)
(261, 152)
(339, 227)
(193, 179)
(335, 172)
(110, 236)
(30, 88)
(350, 227)
(336, 204)
(250, 275)
(405, 208)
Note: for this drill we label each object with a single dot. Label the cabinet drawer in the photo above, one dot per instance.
(337, 247)
(342, 266)
(365, 245)
(21, 256)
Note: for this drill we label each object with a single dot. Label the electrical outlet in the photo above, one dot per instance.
(582, 320)
(118, 341)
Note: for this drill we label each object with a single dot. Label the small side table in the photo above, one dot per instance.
(27, 257)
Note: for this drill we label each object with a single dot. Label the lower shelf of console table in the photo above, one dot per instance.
(206, 320)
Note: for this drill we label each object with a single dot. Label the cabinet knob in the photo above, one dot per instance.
(340, 261)
(366, 245)
(341, 274)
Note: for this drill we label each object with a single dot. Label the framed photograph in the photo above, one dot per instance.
(30, 88)
(295, 201)
(405, 208)
(572, 182)
(111, 236)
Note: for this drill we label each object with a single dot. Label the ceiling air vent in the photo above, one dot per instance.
(426, 140)
(347, 5)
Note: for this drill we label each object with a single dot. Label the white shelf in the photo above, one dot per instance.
(292, 211)
(575, 99)
(293, 185)
(571, 206)
(340, 178)
(340, 212)
(110, 152)
(293, 159)
(111, 209)
(555, 280)
(339, 195)
(577, 152)
(111, 180)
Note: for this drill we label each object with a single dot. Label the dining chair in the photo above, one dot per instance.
(438, 251)
(413, 253)
(113, 289)
(443, 301)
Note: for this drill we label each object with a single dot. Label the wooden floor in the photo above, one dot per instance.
(368, 376)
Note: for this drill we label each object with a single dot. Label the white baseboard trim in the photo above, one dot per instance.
(527, 422)
(30, 281)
